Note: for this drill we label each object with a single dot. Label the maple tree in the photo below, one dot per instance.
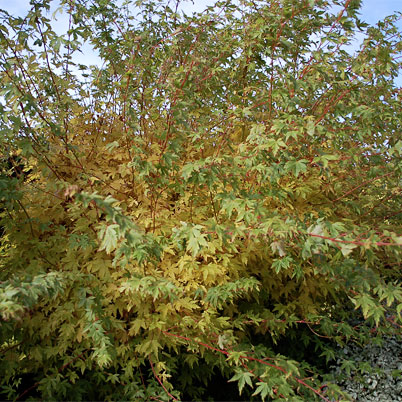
(218, 197)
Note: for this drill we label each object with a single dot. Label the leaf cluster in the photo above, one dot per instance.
(220, 197)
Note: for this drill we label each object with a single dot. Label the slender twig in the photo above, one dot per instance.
(160, 382)
(361, 185)
(261, 361)
(60, 370)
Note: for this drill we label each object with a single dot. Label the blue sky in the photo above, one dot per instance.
(374, 10)
(371, 12)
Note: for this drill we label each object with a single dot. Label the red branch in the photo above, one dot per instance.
(319, 47)
(59, 371)
(249, 358)
(160, 382)
(363, 184)
(359, 243)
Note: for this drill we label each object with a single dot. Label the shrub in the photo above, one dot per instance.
(220, 198)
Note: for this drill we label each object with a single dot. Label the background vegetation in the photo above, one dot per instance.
(221, 200)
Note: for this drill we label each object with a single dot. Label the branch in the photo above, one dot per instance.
(359, 243)
(363, 184)
(160, 382)
(225, 352)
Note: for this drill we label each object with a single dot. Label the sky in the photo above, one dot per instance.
(372, 11)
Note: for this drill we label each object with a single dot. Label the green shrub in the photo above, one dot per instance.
(219, 199)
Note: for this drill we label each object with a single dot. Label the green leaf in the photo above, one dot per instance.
(296, 167)
(196, 240)
(109, 235)
(112, 145)
(347, 248)
(243, 377)
(263, 389)
(325, 159)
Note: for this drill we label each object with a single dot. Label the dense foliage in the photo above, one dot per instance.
(220, 199)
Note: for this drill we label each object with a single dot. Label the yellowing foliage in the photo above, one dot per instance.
(212, 199)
